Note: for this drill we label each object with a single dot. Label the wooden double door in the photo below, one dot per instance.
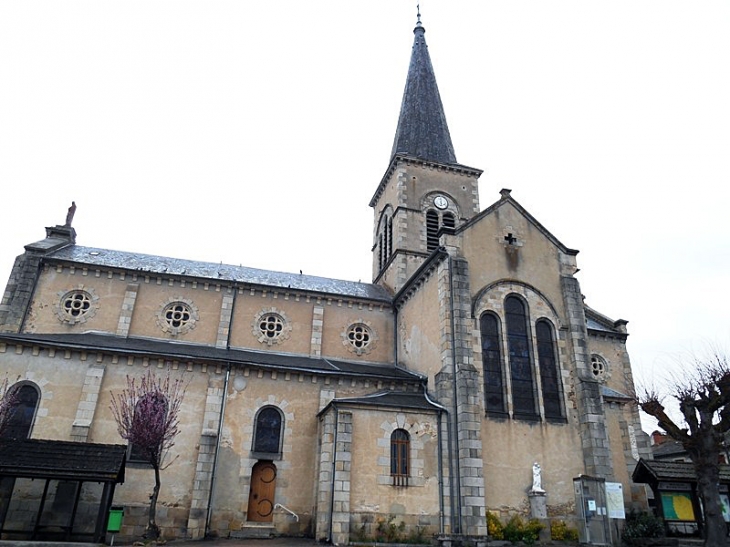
(261, 496)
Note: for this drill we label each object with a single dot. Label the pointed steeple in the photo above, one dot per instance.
(422, 131)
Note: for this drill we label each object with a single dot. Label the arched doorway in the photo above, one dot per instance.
(261, 495)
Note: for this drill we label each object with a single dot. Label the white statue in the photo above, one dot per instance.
(536, 478)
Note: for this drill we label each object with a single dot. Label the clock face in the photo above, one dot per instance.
(441, 202)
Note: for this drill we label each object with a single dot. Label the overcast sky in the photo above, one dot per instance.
(255, 133)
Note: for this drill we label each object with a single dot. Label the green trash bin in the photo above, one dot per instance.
(116, 513)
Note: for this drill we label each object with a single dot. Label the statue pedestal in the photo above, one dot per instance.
(538, 504)
(538, 510)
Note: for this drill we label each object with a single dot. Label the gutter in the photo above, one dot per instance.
(440, 453)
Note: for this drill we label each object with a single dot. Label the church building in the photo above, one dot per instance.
(332, 408)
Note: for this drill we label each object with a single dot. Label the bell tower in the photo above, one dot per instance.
(424, 189)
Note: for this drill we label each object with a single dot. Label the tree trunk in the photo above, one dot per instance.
(153, 531)
(708, 477)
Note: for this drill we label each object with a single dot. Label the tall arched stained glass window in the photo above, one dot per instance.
(520, 362)
(492, 363)
(549, 375)
(267, 437)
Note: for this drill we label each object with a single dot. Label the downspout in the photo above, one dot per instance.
(456, 517)
(440, 453)
(209, 512)
(334, 469)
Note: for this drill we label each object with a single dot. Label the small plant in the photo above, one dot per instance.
(387, 531)
(418, 536)
(517, 530)
(495, 529)
(560, 531)
(642, 525)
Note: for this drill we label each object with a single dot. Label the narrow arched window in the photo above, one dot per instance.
(24, 404)
(520, 361)
(390, 237)
(492, 364)
(268, 427)
(381, 251)
(432, 230)
(549, 376)
(400, 448)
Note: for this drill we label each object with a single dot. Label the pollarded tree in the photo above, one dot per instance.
(147, 416)
(704, 403)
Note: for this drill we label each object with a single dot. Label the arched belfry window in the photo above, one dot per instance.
(549, 373)
(494, 393)
(449, 221)
(384, 239)
(432, 230)
(520, 360)
(25, 404)
(267, 431)
(400, 448)
(435, 220)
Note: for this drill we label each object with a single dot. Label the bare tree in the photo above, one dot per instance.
(704, 404)
(147, 413)
(8, 404)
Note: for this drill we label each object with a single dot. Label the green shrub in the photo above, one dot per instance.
(560, 531)
(494, 526)
(643, 525)
(517, 530)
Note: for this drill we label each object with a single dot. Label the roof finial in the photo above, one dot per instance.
(418, 14)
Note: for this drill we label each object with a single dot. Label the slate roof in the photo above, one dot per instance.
(63, 460)
(652, 471)
(393, 399)
(609, 393)
(422, 131)
(92, 257)
(668, 449)
(185, 352)
(596, 321)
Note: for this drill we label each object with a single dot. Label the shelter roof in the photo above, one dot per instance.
(653, 471)
(63, 460)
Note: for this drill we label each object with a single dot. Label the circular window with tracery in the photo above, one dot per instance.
(359, 338)
(271, 326)
(599, 368)
(76, 306)
(177, 316)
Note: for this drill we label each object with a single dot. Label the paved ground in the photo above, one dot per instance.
(274, 542)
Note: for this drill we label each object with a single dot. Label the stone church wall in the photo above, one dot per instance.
(532, 258)
(511, 447)
(419, 331)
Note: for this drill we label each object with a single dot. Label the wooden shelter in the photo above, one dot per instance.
(677, 500)
(70, 465)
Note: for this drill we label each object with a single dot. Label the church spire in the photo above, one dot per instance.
(422, 131)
